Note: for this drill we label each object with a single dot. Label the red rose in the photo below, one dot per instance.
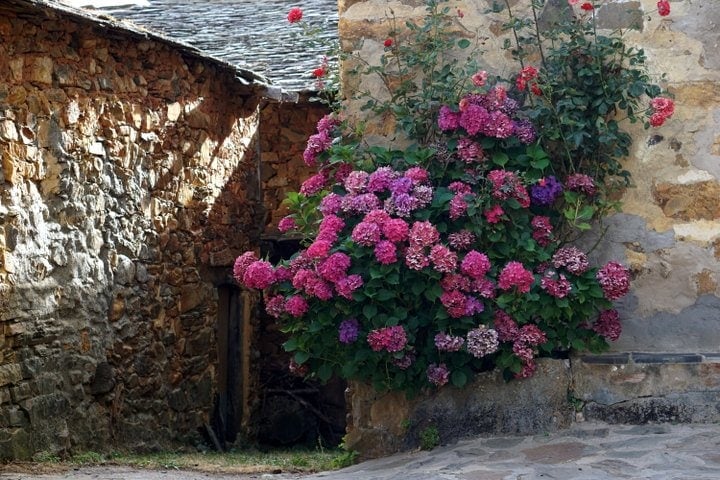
(319, 72)
(294, 15)
(587, 6)
(388, 42)
(663, 7)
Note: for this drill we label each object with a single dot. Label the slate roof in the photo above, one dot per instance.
(250, 34)
(50, 9)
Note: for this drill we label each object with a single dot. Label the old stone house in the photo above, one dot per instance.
(131, 178)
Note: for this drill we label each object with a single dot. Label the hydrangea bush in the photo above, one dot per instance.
(425, 265)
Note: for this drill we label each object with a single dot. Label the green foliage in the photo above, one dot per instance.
(429, 438)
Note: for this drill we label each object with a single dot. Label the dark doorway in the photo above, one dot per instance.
(292, 410)
(227, 418)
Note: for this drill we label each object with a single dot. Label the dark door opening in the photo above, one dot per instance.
(228, 415)
(292, 410)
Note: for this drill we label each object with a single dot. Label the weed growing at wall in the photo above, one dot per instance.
(426, 264)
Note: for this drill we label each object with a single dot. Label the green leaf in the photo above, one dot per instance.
(324, 372)
(291, 345)
(464, 43)
(301, 357)
(369, 311)
(458, 378)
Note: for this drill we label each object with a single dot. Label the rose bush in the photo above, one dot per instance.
(425, 265)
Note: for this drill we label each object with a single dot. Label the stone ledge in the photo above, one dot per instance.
(653, 358)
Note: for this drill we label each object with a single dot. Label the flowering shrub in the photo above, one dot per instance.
(424, 266)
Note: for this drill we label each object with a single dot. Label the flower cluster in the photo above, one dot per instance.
(420, 267)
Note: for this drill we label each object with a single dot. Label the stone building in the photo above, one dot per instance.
(131, 179)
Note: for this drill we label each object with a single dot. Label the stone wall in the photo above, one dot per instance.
(128, 187)
(284, 130)
(669, 230)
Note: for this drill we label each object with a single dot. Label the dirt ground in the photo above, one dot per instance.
(32, 471)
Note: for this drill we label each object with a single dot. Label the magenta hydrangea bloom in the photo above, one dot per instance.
(579, 182)
(396, 230)
(259, 274)
(415, 258)
(366, 234)
(455, 302)
(443, 259)
(286, 224)
(474, 119)
(296, 306)
(356, 182)
(314, 184)
(506, 327)
(438, 374)
(346, 286)
(448, 120)
(377, 216)
(275, 306)
(385, 252)
(542, 230)
(469, 151)
(423, 234)
(531, 335)
(380, 179)
(614, 279)
(330, 204)
(475, 264)
(319, 249)
(334, 268)
(461, 240)
(391, 339)
(514, 275)
(241, 264)
(608, 324)
(417, 175)
(558, 287)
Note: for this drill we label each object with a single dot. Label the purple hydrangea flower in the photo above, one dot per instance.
(348, 330)
(546, 191)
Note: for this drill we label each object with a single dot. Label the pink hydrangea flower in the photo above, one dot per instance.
(448, 120)
(415, 258)
(506, 327)
(356, 182)
(275, 306)
(380, 179)
(314, 184)
(391, 339)
(319, 249)
(417, 175)
(572, 259)
(443, 259)
(296, 306)
(474, 119)
(377, 216)
(448, 343)
(542, 230)
(475, 264)
(608, 324)
(469, 151)
(259, 274)
(558, 287)
(396, 230)
(241, 264)
(286, 224)
(479, 78)
(461, 240)
(438, 374)
(515, 275)
(385, 252)
(366, 234)
(346, 286)
(455, 302)
(423, 234)
(334, 268)
(330, 204)
(614, 279)
(531, 335)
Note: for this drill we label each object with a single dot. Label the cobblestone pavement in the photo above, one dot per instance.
(588, 451)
